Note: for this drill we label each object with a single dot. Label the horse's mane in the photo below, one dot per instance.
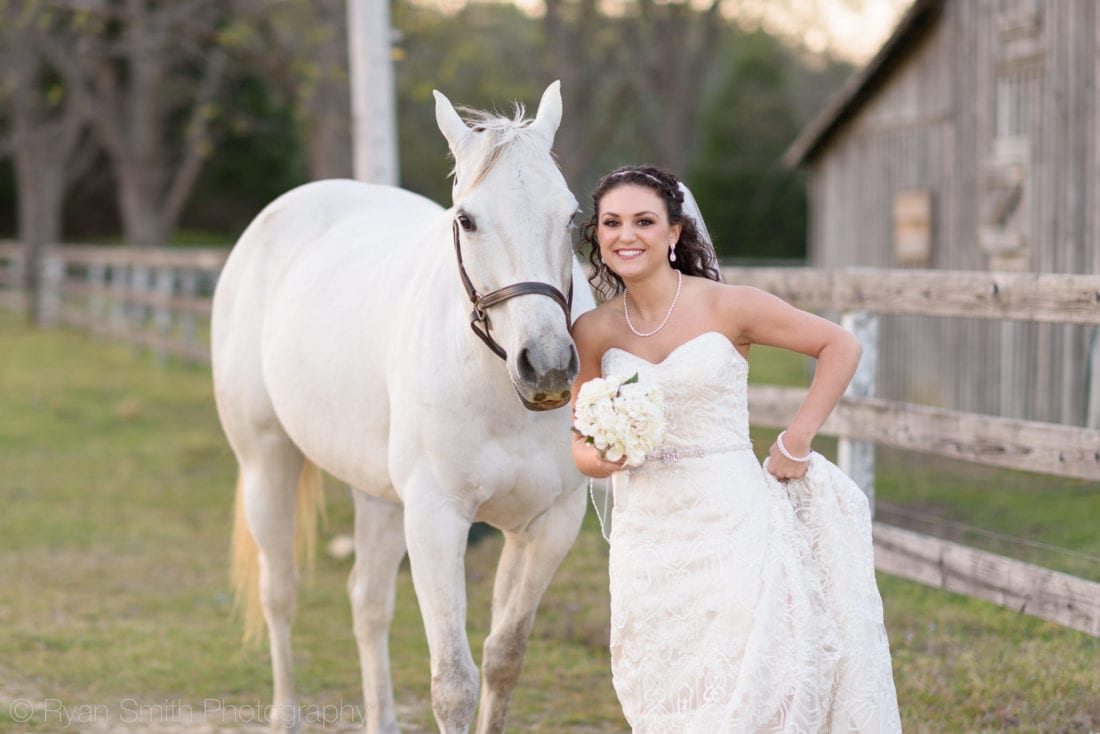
(493, 135)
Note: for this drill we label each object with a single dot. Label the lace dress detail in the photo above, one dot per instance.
(739, 604)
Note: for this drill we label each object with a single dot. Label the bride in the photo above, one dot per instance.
(743, 598)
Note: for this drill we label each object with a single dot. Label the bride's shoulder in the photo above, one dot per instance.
(593, 327)
(739, 306)
(736, 296)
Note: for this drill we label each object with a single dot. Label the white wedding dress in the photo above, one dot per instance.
(739, 604)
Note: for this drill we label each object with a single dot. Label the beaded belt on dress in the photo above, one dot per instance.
(671, 455)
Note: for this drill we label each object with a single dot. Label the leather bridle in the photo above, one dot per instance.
(479, 317)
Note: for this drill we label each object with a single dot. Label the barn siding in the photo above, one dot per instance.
(984, 73)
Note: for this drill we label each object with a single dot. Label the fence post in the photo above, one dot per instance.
(137, 310)
(12, 280)
(189, 288)
(119, 278)
(53, 272)
(162, 314)
(1092, 381)
(97, 285)
(857, 458)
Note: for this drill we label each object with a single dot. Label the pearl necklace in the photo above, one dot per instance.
(626, 311)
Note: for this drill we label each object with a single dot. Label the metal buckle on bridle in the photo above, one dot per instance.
(479, 317)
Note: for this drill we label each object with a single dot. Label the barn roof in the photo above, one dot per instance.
(863, 85)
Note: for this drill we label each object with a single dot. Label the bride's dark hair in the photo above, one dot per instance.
(694, 255)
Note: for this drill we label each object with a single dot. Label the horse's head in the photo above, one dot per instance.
(513, 215)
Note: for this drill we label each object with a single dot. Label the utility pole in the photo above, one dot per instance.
(374, 117)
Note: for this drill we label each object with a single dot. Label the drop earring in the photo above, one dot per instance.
(672, 253)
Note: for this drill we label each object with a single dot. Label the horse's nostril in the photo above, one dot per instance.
(574, 365)
(526, 369)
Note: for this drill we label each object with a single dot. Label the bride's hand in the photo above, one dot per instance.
(782, 468)
(588, 459)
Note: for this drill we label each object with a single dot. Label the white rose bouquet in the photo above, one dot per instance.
(620, 417)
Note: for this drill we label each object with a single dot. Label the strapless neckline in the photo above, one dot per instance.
(680, 347)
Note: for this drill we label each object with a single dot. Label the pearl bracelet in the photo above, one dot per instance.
(783, 450)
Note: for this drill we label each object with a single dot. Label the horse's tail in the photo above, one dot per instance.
(245, 571)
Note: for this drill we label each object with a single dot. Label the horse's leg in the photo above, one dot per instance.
(436, 535)
(527, 564)
(379, 548)
(270, 478)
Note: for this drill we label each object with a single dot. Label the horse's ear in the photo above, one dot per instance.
(450, 124)
(548, 117)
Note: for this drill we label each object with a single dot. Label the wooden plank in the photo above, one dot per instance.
(200, 306)
(1025, 587)
(200, 258)
(1050, 448)
(1071, 299)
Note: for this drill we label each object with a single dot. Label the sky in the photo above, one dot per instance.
(850, 29)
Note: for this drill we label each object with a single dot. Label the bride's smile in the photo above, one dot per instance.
(634, 231)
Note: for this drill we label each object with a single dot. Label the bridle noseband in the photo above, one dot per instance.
(479, 317)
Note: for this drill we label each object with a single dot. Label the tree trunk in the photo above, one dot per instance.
(137, 61)
(329, 107)
(40, 192)
(142, 224)
(140, 165)
(46, 142)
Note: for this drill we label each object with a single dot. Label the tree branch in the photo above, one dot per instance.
(196, 141)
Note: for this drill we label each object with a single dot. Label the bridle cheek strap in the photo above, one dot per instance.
(479, 317)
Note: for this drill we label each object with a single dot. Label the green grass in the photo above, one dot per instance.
(116, 487)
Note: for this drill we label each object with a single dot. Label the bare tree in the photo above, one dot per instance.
(47, 136)
(676, 45)
(149, 73)
(643, 69)
(579, 52)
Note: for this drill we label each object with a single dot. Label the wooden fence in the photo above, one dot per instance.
(862, 420)
(161, 299)
(154, 298)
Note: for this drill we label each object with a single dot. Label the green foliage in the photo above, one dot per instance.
(756, 94)
(753, 206)
(480, 57)
(259, 156)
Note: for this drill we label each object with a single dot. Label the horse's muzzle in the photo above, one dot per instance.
(547, 388)
(543, 401)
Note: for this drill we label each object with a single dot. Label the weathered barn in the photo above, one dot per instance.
(970, 142)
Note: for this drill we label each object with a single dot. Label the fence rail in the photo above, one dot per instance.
(1048, 448)
(1025, 587)
(862, 420)
(154, 298)
(1068, 299)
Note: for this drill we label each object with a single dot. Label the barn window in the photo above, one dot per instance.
(913, 228)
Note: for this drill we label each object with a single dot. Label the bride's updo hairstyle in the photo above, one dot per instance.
(694, 255)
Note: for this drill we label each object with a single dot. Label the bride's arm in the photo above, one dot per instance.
(589, 350)
(764, 319)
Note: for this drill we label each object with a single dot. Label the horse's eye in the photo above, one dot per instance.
(466, 222)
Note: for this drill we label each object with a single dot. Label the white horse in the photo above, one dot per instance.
(342, 341)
